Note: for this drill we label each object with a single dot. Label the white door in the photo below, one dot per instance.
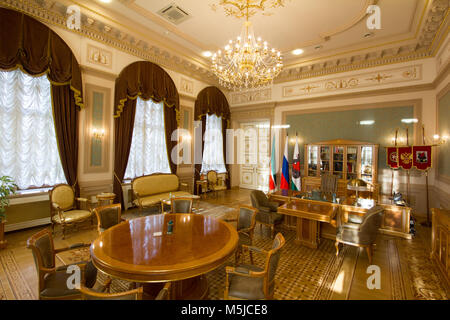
(255, 169)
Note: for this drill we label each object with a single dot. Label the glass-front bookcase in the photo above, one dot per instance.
(346, 159)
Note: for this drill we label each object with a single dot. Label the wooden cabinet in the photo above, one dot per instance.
(440, 239)
(346, 159)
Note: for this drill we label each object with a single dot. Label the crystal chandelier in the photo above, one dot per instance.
(247, 62)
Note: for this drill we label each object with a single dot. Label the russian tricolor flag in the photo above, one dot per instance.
(284, 185)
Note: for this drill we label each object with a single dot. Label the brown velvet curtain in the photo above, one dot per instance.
(148, 81)
(27, 44)
(212, 101)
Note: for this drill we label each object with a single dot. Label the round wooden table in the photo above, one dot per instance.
(140, 250)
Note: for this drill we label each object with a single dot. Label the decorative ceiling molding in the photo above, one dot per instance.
(362, 80)
(434, 27)
(54, 13)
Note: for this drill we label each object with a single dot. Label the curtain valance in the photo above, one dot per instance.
(147, 80)
(212, 101)
(30, 45)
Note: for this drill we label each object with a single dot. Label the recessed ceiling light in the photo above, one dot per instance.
(207, 54)
(297, 52)
(106, 1)
(410, 120)
(367, 122)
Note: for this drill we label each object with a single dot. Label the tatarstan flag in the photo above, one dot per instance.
(296, 179)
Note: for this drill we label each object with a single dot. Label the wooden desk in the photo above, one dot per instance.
(131, 251)
(309, 214)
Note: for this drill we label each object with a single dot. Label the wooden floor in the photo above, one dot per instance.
(406, 270)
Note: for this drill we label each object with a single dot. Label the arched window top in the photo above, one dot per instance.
(212, 101)
(32, 46)
(148, 81)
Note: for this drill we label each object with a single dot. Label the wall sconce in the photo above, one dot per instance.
(437, 139)
(98, 133)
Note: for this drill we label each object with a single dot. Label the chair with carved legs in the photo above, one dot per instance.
(67, 210)
(359, 231)
(245, 224)
(52, 284)
(252, 282)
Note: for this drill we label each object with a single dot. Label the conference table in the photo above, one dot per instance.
(141, 250)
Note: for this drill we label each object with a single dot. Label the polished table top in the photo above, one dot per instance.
(133, 251)
(310, 209)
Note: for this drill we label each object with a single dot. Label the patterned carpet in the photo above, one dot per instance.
(303, 273)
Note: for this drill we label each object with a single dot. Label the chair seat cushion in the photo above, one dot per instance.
(156, 199)
(56, 285)
(245, 287)
(72, 216)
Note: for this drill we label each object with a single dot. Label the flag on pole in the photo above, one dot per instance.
(273, 169)
(285, 171)
(296, 179)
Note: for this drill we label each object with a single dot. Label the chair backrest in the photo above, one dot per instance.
(63, 195)
(108, 216)
(247, 218)
(181, 205)
(164, 294)
(258, 198)
(371, 222)
(211, 176)
(155, 183)
(42, 247)
(328, 183)
(89, 294)
(271, 266)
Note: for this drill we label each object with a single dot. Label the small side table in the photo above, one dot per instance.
(203, 184)
(105, 198)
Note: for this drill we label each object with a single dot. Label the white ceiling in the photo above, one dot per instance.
(300, 24)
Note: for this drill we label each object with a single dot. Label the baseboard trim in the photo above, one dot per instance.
(27, 224)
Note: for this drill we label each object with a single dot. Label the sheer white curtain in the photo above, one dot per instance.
(28, 147)
(213, 149)
(148, 153)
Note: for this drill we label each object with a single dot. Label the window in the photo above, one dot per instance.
(213, 150)
(28, 148)
(148, 153)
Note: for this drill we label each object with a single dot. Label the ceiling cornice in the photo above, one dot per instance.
(429, 37)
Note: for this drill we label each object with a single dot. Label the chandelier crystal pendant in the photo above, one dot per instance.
(247, 62)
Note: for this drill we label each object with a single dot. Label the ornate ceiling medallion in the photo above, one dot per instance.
(247, 62)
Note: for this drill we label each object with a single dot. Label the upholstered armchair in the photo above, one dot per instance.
(181, 205)
(52, 279)
(328, 184)
(253, 282)
(267, 211)
(359, 231)
(108, 216)
(67, 210)
(215, 183)
(245, 225)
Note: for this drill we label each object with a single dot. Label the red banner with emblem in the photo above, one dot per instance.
(392, 158)
(422, 157)
(405, 157)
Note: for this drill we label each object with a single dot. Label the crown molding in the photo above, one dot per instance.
(433, 29)
(54, 13)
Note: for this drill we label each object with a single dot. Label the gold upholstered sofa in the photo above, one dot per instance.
(149, 190)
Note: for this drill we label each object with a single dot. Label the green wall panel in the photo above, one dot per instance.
(444, 130)
(97, 122)
(323, 126)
